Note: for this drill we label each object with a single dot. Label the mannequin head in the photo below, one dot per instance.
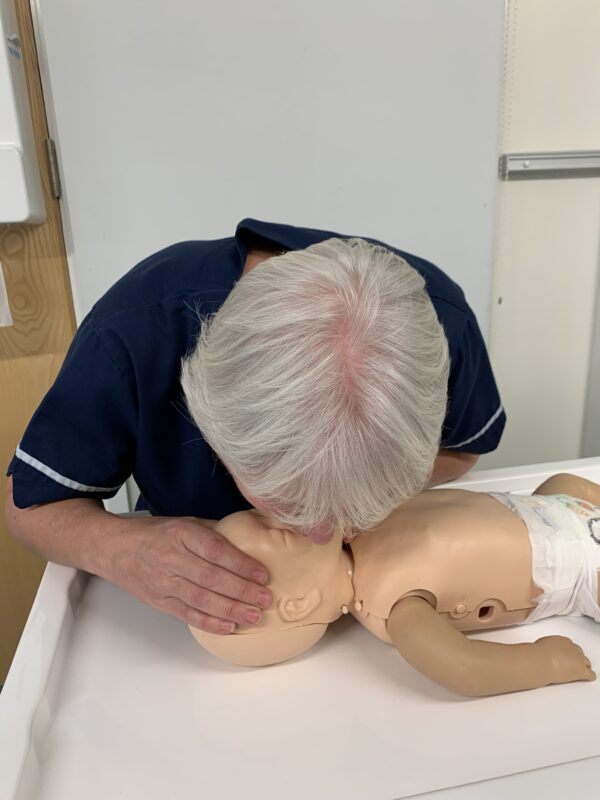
(310, 584)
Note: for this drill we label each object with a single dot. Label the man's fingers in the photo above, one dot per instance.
(209, 602)
(215, 548)
(198, 619)
(166, 568)
(209, 576)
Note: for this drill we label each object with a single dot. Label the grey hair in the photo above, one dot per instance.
(321, 383)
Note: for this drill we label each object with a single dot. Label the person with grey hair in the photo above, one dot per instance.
(321, 384)
(320, 378)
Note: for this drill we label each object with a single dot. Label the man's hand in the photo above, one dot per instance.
(180, 566)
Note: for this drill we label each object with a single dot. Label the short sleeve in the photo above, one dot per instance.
(475, 417)
(81, 440)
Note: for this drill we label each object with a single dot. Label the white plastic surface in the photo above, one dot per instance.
(21, 198)
(107, 698)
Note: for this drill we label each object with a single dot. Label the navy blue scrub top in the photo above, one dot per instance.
(117, 409)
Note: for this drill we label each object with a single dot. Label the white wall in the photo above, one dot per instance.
(547, 232)
(590, 440)
(175, 120)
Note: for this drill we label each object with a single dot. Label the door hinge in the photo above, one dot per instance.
(53, 169)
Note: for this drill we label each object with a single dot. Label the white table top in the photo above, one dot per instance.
(108, 698)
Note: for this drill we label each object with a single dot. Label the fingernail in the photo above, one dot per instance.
(264, 600)
(260, 576)
(252, 616)
(227, 627)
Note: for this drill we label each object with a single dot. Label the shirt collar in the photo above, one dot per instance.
(277, 235)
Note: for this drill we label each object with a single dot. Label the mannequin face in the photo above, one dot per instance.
(309, 582)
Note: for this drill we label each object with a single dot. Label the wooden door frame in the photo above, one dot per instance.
(36, 273)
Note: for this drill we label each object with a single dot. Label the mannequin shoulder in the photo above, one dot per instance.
(242, 524)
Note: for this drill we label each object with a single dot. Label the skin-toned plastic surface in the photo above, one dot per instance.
(463, 551)
(262, 648)
(445, 562)
(310, 584)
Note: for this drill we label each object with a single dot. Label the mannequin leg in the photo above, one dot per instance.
(573, 485)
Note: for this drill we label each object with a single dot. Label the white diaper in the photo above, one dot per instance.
(565, 541)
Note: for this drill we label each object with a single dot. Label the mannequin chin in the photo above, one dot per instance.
(263, 647)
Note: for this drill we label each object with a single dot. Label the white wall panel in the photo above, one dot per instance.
(542, 328)
(590, 440)
(547, 232)
(553, 62)
(175, 120)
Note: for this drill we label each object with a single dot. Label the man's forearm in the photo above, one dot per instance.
(68, 532)
(76, 533)
(450, 465)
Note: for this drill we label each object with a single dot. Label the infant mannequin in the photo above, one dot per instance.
(446, 561)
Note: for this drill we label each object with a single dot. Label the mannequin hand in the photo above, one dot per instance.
(184, 568)
(566, 660)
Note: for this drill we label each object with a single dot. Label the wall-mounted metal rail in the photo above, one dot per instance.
(565, 164)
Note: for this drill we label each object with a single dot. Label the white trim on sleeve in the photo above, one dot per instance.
(479, 433)
(56, 476)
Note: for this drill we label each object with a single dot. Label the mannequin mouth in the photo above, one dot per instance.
(321, 535)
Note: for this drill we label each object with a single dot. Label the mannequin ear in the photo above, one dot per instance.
(293, 609)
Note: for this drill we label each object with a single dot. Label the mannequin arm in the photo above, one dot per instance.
(474, 668)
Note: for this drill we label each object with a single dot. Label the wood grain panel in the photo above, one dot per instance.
(20, 570)
(38, 290)
(32, 349)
